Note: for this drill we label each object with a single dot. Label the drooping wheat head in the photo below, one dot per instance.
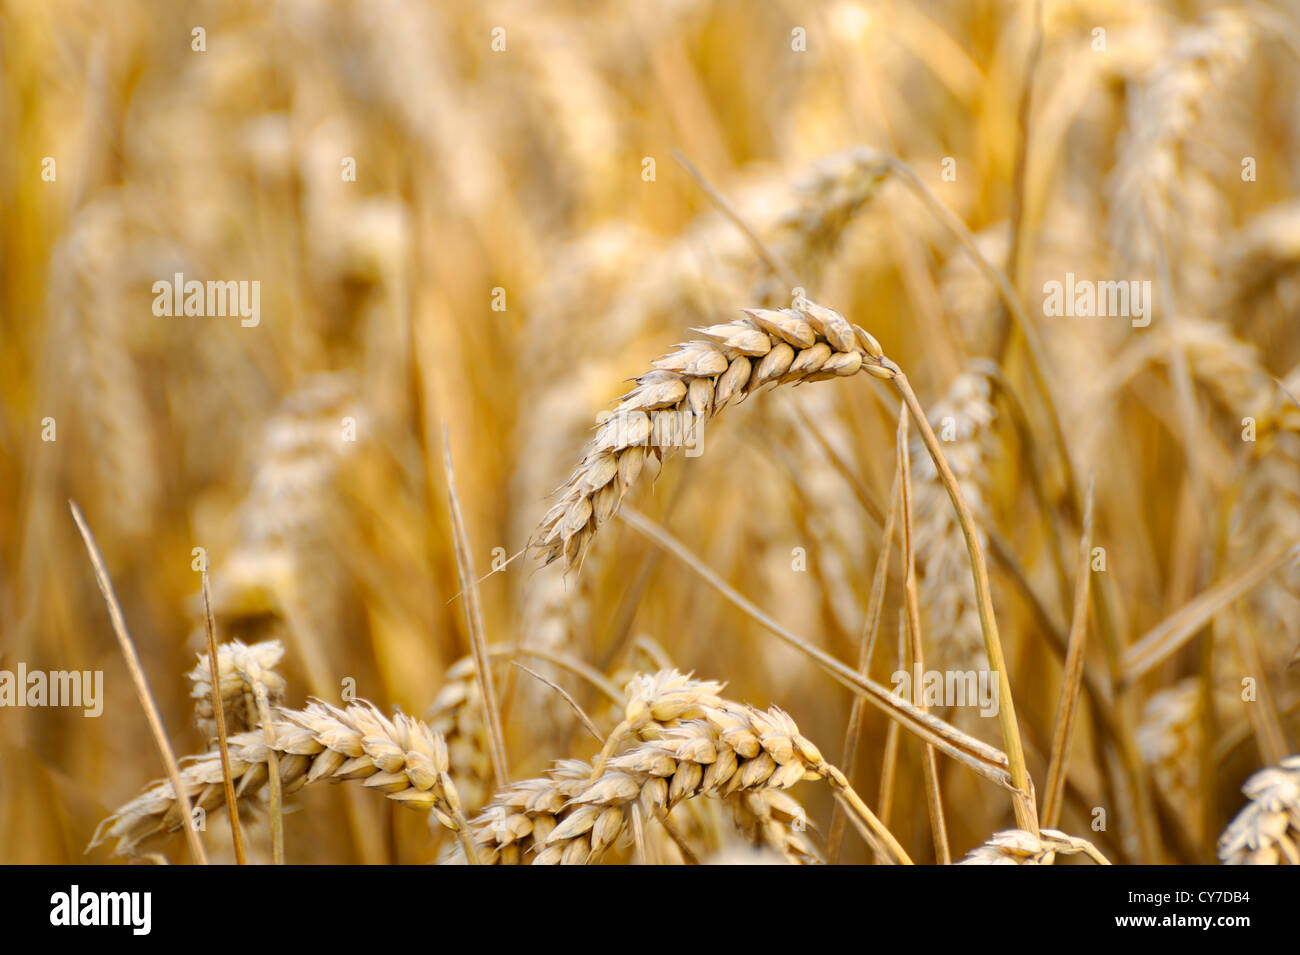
(670, 405)
(400, 757)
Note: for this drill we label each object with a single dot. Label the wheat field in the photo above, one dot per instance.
(702, 432)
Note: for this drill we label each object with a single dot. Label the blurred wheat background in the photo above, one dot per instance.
(519, 240)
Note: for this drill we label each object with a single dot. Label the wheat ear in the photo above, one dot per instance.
(235, 660)
(401, 757)
(569, 818)
(1267, 831)
(804, 343)
(687, 388)
(1018, 847)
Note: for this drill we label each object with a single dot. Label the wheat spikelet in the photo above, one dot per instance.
(456, 714)
(1169, 741)
(1156, 185)
(689, 743)
(1267, 515)
(570, 820)
(103, 258)
(1263, 256)
(239, 667)
(665, 698)
(688, 388)
(774, 821)
(525, 813)
(1018, 847)
(401, 757)
(962, 420)
(652, 702)
(1267, 831)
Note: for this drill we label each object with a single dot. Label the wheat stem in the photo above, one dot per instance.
(1023, 799)
(933, 797)
(141, 683)
(474, 614)
(273, 772)
(982, 758)
(1184, 623)
(219, 711)
(870, 629)
(1070, 683)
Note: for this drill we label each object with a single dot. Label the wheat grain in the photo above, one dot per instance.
(1267, 831)
(456, 714)
(689, 387)
(773, 820)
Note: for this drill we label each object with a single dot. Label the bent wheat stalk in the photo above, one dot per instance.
(805, 343)
(987, 761)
